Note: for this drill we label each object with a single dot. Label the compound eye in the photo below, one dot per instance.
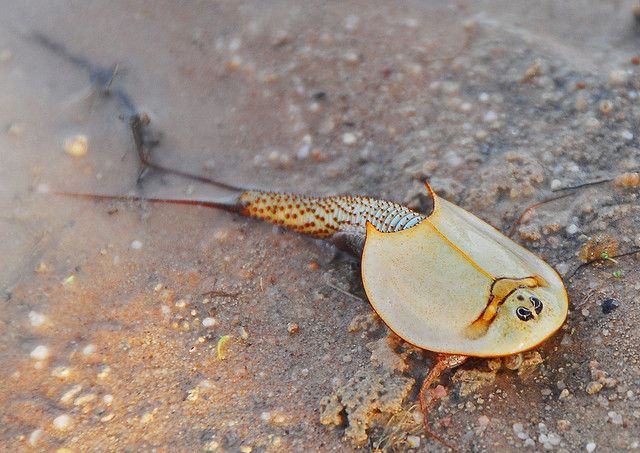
(537, 304)
(524, 313)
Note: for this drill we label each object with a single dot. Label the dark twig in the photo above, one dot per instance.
(580, 186)
(601, 260)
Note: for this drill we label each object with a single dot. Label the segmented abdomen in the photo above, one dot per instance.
(324, 216)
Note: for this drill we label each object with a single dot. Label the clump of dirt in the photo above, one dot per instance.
(365, 401)
(599, 247)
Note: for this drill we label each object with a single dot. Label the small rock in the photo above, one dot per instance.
(413, 441)
(70, 394)
(61, 372)
(572, 229)
(292, 328)
(209, 322)
(606, 107)
(615, 418)
(76, 146)
(591, 447)
(62, 422)
(349, 138)
(40, 352)
(594, 387)
(136, 245)
(37, 319)
(618, 77)
(35, 436)
(609, 305)
(89, 349)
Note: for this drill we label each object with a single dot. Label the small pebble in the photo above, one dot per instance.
(615, 418)
(349, 138)
(594, 387)
(292, 327)
(490, 116)
(85, 399)
(618, 77)
(40, 352)
(89, 349)
(591, 447)
(146, 418)
(626, 135)
(71, 394)
(609, 305)
(606, 107)
(136, 245)
(483, 421)
(245, 449)
(517, 427)
(76, 146)
(35, 436)
(572, 229)
(209, 322)
(61, 372)
(37, 319)
(413, 441)
(107, 399)
(62, 422)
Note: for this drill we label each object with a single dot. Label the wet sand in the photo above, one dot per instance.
(134, 327)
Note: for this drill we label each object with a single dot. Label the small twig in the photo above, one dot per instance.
(524, 213)
(340, 290)
(580, 186)
(219, 293)
(601, 260)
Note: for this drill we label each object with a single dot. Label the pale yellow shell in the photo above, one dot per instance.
(452, 284)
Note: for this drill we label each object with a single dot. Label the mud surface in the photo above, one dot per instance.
(132, 327)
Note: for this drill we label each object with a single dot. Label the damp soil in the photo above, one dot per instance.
(131, 326)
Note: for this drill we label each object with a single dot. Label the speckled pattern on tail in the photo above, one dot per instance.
(325, 216)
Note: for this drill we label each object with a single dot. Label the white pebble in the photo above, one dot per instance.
(62, 422)
(484, 97)
(615, 418)
(517, 427)
(209, 322)
(618, 77)
(413, 441)
(40, 352)
(556, 184)
(303, 152)
(35, 436)
(572, 229)
(591, 447)
(490, 116)
(349, 138)
(136, 245)
(89, 349)
(107, 399)
(626, 135)
(37, 319)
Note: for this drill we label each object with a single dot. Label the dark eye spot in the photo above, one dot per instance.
(520, 297)
(524, 313)
(537, 304)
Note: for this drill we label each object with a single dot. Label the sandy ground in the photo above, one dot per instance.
(129, 327)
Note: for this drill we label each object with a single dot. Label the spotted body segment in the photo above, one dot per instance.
(325, 216)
